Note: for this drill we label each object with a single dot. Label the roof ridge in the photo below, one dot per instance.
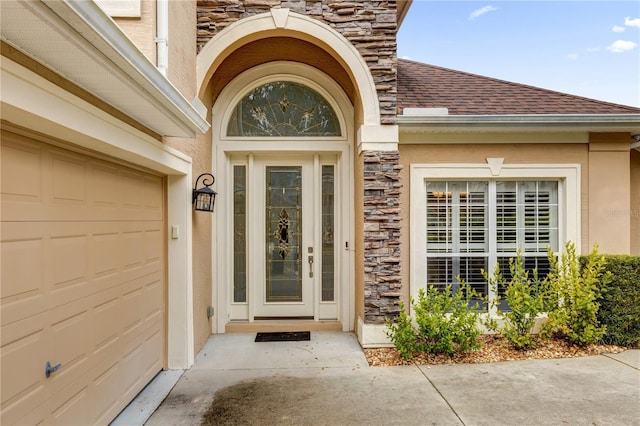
(630, 108)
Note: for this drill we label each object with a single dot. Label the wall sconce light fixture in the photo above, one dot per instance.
(204, 199)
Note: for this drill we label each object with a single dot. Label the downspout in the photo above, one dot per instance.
(162, 35)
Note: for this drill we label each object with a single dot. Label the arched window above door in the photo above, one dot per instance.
(283, 109)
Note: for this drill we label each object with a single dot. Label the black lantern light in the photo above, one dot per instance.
(204, 198)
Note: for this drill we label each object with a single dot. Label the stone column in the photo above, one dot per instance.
(382, 282)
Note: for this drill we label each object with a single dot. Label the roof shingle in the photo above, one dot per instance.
(428, 86)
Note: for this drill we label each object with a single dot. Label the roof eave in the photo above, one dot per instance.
(88, 28)
(403, 8)
(520, 122)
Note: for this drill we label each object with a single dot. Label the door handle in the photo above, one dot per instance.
(48, 369)
(310, 260)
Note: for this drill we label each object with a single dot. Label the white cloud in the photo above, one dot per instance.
(620, 46)
(594, 49)
(618, 29)
(479, 12)
(572, 56)
(406, 57)
(632, 22)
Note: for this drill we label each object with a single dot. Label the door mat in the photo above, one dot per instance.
(283, 336)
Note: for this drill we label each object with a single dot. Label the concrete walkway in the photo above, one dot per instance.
(326, 381)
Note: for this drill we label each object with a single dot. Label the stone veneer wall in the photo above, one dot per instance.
(369, 25)
(382, 281)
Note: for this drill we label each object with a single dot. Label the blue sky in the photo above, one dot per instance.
(586, 48)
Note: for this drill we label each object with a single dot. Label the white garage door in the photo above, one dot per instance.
(83, 272)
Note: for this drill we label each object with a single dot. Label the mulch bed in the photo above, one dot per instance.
(494, 349)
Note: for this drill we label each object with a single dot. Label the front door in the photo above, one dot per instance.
(291, 210)
(287, 254)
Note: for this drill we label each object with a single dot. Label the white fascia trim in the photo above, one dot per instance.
(92, 24)
(34, 102)
(512, 137)
(521, 122)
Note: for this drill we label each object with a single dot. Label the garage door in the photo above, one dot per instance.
(83, 272)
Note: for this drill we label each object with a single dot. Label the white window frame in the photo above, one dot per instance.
(567, 175)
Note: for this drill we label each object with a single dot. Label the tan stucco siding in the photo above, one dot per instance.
(635, 202)
(182, 74)
(477, 154)
(182, 55)
(609, 192)
(202, 242)
(142, 30)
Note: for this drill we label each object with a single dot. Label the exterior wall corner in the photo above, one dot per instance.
(610, 192)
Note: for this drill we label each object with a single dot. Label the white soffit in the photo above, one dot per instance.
(78, 41)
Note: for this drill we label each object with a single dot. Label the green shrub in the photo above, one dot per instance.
(578, 290)
(444, 323)
(620, 303)
(525, 300)
(402, 333)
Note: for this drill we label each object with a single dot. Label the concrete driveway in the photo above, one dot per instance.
(326, 381)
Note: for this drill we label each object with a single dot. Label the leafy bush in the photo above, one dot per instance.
(578, 290)
(402, 333)
(620, 303)
(525, 299)
(444, 323)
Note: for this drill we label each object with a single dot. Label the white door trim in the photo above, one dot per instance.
(223, 240)
(226, 147)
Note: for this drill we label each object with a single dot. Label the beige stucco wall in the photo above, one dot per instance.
(182, 74)
(142, 30)
(635, 202)
(575, 153)
(609, 192)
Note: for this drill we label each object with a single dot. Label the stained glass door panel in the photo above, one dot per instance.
(291, 245)
(283, 214)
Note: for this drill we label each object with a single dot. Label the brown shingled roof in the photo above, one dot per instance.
(428, 86)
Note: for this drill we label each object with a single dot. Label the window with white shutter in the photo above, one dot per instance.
(472, 225)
